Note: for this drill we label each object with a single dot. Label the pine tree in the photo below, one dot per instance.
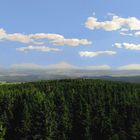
(2, 131)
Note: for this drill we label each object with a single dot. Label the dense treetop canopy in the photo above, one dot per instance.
(70, 110)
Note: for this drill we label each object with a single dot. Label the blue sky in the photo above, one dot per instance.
(99, 43)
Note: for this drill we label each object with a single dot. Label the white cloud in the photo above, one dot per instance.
(46, 36)
(37, 48)
(111, 14)
(116, 23)
(124, 29)
(2, 33)
(129, 46)
(17, 37)
(137, 33)
(96, 53)
(130, 67)
(71, 42)
(27, 66)
(62, 66)
(55, 39)
(99, 67)
(66, 66)
(60, 40)
(126, 34)
(118, 45)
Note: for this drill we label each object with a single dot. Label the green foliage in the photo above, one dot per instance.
(115, 137)
(70, 110)
(2, 131)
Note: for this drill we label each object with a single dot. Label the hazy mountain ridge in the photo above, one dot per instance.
(14, 75)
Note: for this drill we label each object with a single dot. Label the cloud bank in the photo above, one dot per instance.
(67, 66)
(61, 65)
(130, 67)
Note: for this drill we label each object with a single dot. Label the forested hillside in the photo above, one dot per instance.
(70, 110)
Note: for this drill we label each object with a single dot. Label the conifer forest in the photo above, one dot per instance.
(77, 109)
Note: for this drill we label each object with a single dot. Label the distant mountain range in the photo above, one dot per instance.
(25, 75)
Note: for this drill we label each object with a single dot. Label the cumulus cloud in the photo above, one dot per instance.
(96, 53)
(37, 48)
(38, 38)
(129, 46)
(17, 37)
(60, 40)
(116, 23)
(130, 67)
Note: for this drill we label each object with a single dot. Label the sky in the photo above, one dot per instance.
(98, 34)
